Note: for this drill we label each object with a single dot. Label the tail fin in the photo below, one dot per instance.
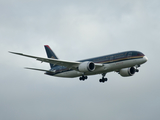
(50, 54)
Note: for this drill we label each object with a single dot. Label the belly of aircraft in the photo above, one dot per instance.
(115, 66)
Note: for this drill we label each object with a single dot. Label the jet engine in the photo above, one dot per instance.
(86, 67)
(127, 72)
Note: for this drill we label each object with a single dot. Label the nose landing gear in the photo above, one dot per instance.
(137, 66)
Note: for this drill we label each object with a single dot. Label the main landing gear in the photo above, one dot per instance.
(83, 78)
(103, 79)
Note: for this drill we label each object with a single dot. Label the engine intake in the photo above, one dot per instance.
(127, 72)
(86, 67)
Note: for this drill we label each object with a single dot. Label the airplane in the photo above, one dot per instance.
(125, 63)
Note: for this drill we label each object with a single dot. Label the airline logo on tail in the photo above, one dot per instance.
(50, 54)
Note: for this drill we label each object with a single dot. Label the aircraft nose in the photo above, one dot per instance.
(145, 58)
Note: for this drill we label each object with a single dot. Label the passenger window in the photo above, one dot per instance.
(111, 58)
(129, 54)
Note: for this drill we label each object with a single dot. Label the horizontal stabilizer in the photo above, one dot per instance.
(38, 69)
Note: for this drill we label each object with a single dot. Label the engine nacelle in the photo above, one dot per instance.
(127, 72)
(86, 67)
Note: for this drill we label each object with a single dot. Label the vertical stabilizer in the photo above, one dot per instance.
(50, 54)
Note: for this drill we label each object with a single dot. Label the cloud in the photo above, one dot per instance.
(77, 30)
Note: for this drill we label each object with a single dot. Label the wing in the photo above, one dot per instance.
(68, 64)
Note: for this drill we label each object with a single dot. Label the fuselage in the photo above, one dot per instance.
(112, 62)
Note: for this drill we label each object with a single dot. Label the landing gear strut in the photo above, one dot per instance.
(83, 78)
(137, 67)
(103, 79)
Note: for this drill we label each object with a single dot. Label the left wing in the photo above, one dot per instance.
(68, 64)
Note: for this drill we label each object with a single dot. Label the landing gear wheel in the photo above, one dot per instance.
(83, 78)
(103, 80)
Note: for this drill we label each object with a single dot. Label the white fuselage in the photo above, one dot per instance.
(109, 67)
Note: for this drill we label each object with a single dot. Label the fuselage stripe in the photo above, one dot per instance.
(117, 60)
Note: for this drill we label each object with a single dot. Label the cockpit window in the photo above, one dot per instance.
(140, 54)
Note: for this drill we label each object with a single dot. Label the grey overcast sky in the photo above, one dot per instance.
(77, 30)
